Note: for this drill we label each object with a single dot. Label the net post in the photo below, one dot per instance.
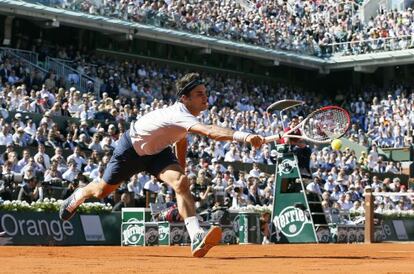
(369, 218)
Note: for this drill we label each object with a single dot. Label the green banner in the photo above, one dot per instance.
(40, 228)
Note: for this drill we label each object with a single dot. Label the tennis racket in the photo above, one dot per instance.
(320, 127)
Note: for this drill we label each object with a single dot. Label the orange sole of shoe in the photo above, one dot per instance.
(212, 239)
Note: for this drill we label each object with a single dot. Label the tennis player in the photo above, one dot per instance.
(147, 146)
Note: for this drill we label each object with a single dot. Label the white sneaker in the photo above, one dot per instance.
(265, 241)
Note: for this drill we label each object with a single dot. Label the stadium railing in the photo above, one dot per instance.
(19, 55)
(71, 75)
(30, 56)
(370, 45)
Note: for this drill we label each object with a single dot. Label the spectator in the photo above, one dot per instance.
(77, 158)
(330, 184)
(52, 174)
(345, 202)
(126, 201)
(72, 173)
(254, 198)
(152, 185)
(6, 137)
(357, 209)
(45, 159)
(24, 161)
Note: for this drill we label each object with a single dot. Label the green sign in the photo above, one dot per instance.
(133, 233)
(136, 214)
(163, 233)
(291, 214)
(291, 221)
(139, 233)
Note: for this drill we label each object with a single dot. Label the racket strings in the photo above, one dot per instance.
(327, 124)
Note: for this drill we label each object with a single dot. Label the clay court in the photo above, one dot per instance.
(333, 258)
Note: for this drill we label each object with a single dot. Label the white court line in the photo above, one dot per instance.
(398, 242)
(397, 251)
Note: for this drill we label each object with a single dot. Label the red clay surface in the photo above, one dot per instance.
(332, 258)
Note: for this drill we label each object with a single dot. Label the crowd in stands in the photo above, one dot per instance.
(381, 115)
(319, 28)
(131, 89)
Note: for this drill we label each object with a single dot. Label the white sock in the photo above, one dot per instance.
(78, 194)
(192, 226)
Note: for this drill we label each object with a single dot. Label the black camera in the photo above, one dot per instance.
(8, 179)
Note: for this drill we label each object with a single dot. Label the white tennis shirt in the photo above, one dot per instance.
(161, 128)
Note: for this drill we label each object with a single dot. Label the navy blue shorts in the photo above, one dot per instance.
(125, 162)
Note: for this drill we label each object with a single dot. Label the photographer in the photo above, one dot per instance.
(79, 180)
(70, 189)
(52, 181)
(239, 199)
(31, 190)
(201, 191)
(8, 174)
(126, 201)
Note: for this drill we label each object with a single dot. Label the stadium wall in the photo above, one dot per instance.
(40, 228)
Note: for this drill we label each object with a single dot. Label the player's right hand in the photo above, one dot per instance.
(255, 140)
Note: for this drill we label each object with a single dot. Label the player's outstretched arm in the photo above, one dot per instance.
(226, 134)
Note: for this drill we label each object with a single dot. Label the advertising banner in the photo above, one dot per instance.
(41, 228)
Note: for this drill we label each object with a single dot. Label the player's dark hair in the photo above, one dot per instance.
(187, 83)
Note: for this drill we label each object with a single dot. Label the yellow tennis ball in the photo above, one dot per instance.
(336, 144)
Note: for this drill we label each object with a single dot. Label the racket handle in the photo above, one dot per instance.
(272, 138)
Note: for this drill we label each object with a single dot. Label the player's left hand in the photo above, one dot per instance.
(255, 140)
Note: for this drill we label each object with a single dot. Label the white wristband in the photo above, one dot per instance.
(240, 136)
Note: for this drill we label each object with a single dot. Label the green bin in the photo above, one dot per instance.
(249, 228)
